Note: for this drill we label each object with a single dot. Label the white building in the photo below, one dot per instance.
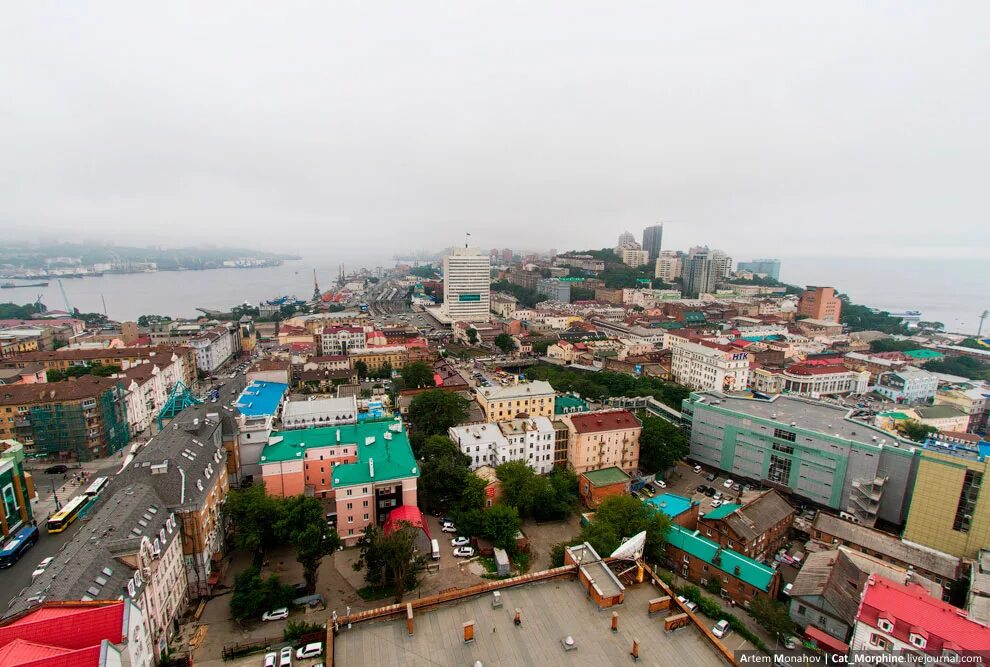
(319, 412)
(530, 440)
(215, 347)
(811, 380)
(668, 266)
(466, 285)
(633, 257)
(908, 385)
(715, 368)
(340, 340)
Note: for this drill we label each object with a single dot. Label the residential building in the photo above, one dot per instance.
(626, 239)
(811, 379)
(555, 289)
(365, 469)
(532, 399)
(504, 305)
(130, 549)
(699, 274)
(319, 412)
(702, 560)
(583, 262)
(466, 285)
(82, 419)
(339, 340)
(215, 347)
(820, 303)
(186, 465)
(530, 440)
(972, 398)
(62, 359)
(633, 257)
(904, 618)
(561, 439)
(668, 266)
(270, 370)
(16, 490)
(764, 267)
(908, 385)
(826, 592)
(978, 598)
(568, 404)
(483, 443)
(377, 359)
(805, 448)
(756, 529)
(652, 241)
(942, 568)
(710, 366)
(723, 264)
(493, 487)
(594, 486)
(603, 439)
(30, 374)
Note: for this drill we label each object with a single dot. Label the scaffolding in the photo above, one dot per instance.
(178, 400)
(80, 430)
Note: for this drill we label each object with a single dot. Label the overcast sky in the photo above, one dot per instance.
(776, 128)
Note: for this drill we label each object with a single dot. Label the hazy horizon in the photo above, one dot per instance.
(764, 129)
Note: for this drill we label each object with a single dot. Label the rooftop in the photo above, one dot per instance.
(523, 390)
(757, 516)
(567, 403)
(318, 406)
(71, 633)
(690, 541)
(670, 504)
(86, 386)
(939, 412)
(606, 476)
(438, 640)
(261, 398)
(605, 420)
(392, 455)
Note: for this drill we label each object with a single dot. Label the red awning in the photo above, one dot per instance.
(825, 641)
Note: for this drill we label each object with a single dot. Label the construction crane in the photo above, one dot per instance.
(985, 315)
(61, 288)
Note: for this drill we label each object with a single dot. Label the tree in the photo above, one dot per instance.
(301, 523)
(966, 367)
(535, 496)
(252, 513)
(361, 368)
(661, 444)
(501, 523)
(433, 412)
(390, 560)
(443, 473)
(472, 336)
(11, 311)
(892, 345)
(467, 511)
(505, 342)
(915, 430)
(620, 517)
(417, 374)
(773, 616)
(254, 595)
(427, 271)
(148, 320)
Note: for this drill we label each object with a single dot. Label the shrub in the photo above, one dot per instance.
(294, 630)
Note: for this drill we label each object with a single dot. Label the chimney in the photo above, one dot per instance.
(615, 622)
(409, 618)
(468, 632)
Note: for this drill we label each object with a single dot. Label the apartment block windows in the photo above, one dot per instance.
(784, 435)
(967, 501)
(780, 470)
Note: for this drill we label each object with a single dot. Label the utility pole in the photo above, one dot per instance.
(984, 316)
(58, 505)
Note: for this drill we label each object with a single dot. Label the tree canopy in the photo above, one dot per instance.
(862, 318)
(601, 385)
(661, 444)
(915, 430)
(254, 595)
(553, 496)
(11, 311)
(501, 523)
(417, 374)
(621, 517)
(443, 473)
(390, 560)
(966, 367)
(525, 297)
(505, 343)
(433, 412)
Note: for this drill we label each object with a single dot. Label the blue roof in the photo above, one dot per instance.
(670, 504)
(261, 398)
(753, 573)
(722, 511)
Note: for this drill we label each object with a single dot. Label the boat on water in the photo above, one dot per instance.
(12, 285)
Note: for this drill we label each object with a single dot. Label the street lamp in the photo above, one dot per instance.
(58, 505)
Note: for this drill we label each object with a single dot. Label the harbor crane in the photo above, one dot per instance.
(61, 288)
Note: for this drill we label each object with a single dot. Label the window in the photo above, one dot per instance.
(9, 500)
(350, 506)
(967, 501)
(784, 435)
(801, 610)
(885, 625)
(918, 640)
(880, 641)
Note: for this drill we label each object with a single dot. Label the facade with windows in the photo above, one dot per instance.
(466, 285)
(531, 440)
(711, 366)
(339, 340)
(15, 494)
(908, 385)
(603, 439)
(805, 448)
(533, 399)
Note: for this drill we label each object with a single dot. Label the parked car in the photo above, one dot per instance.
(276, 614)
(309, 651)
(649, 487)
(687, 603)
(464, 552)
(647, 491)
(711, 477)
(56, 469)
(709, 491)
(716, 503)
(737, 488)
(728, 483)
(285, 657)
(697, 470)
(271, 659)
(721, 628)
(662, 484)
(717, 495)
(787, 589)
(460, 542)
(448, 528)
(701, 488)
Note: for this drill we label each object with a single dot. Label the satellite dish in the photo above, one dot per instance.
(631, 549)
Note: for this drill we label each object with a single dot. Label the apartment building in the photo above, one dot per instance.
(466, 285)
(699, 274)
(532, 399)
(634, 257)
(555, 289)
(812, 379)
(757, 528)
(763, 267)
(126, 357)
(215, 347)
(710, 366)
(16, 490)
(531, 440)
(668, 266)
(973, 398)
(603, 439)
(653, 240)
(82, 418)
(319, 412)
(908, 385)
(339, 340)
(820, 303)
(584, 262)
(805, 448)
(377, 358)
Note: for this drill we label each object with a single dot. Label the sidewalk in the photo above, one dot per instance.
(45, 506)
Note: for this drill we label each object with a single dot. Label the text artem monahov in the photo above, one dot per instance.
(854, 658)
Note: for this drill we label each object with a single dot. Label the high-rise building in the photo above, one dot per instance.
(634, 258)
(699, 274)
(466, 285)
(507, 255)
(668, 266)
(723, 264)
(767, 267)
(627, 240)
(652, 237)
(820, 303)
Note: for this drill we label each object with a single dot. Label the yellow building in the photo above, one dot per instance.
(375, 358)
(948, 512)
(535, 399)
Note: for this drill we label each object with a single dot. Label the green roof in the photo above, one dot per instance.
(894, 415)
(938, 411)
(694, 316)
(393, 458)
(924, 354)
(606, 476)
(567, 404)
(722, 511)
(691, 542)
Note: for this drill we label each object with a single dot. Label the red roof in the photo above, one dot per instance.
(611, 420)
(409, 514)
(61, 634)
(912, 610)
(825, 641)
(807, 369)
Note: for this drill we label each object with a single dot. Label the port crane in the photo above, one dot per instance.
(61, 288)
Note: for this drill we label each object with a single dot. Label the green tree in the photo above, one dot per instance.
(472, 336)
(891, 345)
(391, 560)
(621, 517)
(443, 473)
(433, 412)
(301, 523)
(361, 368)
(535, 496)
(505, 343)
(294, 630)
(417, 374)
(773, 616)
(501, 523)
(427, 271)
(915, 430)
(11, 311)
(148, 320)
(966, 367)
(661, 444)
(254, 595)
(252, 514)
(467, 511)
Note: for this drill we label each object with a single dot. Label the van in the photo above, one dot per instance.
(436, 549)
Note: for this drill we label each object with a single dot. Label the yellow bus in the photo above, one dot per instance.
(63, 518)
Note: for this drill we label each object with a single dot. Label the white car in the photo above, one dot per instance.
(309, 651)
(721, 628)
(728, 483)
(285, 657)
(464, 552)
(448, 528)
(697, 469)
(716, 503)
(687, 603)
(276, 614)
(271, 659)
(460, 542)
(41, 567)
(660, 483)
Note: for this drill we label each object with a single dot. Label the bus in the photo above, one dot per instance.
(96, 488)
(63, 518)
(23, 540)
